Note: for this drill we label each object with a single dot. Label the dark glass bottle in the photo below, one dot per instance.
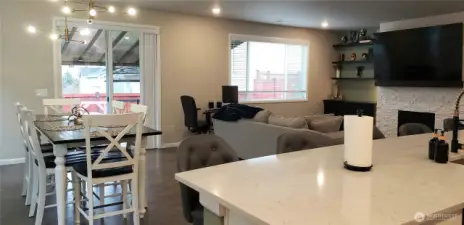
(441, 154)
(433, 145)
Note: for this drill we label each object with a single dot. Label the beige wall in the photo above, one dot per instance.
(194, 61)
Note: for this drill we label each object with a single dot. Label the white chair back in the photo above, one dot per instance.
(137, 108)
(32, 138)
(20, 107)
(119, 107)
(95, 125)
(56, 105)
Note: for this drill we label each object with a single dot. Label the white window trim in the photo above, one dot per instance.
(278, 40)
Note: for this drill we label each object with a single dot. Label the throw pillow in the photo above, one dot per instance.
(262, 116)
(327, 125)
(312, 118)
(297, 122)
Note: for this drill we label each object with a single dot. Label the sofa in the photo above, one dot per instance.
(257, 138)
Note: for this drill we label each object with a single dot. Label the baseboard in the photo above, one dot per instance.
(170, 145)
(4, 162)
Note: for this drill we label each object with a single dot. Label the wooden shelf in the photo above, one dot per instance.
(353, 78)
(352, 45)
(352, 62)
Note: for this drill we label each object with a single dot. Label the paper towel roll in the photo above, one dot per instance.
(358, 140)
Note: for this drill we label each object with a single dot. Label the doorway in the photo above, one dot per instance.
(108, 61)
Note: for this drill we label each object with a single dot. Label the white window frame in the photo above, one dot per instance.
(277, 40)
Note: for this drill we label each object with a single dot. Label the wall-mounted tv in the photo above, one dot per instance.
(422, 57)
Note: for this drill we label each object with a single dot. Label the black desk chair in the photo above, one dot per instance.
(191, 115)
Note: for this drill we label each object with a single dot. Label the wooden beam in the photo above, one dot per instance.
(71, 34)
(135, 45)
(91, 43)
(115, 42)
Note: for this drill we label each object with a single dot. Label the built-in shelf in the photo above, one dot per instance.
(352, 62)
(352, 45)
(353, 78)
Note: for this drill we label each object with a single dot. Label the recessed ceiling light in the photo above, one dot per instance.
(84, 32)
(131, 11)
(31, 29)
(127, 38)
(216, 10)
(66, 10)
(92, 12)
(111, 9)
(325, 24)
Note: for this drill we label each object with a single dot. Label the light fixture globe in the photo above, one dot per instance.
(111, 9)
(92, 12)
(131, 11)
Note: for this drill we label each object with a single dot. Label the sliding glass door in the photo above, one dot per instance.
(99, 66)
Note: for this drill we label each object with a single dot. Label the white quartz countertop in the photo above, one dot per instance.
(312, 187)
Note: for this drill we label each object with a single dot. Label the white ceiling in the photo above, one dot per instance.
(341, 14)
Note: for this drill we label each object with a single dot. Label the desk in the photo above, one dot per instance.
(63, 140)
(208, 114)
(312, 187)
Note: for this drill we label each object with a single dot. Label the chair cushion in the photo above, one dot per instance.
(81, 168)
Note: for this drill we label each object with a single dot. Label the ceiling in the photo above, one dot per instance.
(340, 14)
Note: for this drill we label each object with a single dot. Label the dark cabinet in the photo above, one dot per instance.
(341, 107)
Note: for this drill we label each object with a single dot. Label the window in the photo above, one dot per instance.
(268, 69)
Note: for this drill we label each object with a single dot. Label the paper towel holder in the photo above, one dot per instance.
(347, 166)
(357, 168)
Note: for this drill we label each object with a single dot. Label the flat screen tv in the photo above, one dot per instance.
(422, 57)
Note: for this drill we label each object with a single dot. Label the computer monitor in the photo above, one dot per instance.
(230, 94)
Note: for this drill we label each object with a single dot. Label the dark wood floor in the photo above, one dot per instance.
(164, 204)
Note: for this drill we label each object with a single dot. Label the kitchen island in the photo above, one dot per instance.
(312, 187)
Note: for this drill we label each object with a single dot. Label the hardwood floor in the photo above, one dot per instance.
(164, 204)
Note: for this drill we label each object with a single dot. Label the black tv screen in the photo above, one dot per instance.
(423, 57)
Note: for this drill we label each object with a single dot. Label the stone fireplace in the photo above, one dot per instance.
(390, 100)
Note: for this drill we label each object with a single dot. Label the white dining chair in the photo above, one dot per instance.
(98, 171)
(138, 108)
(56, 105)
(27, 178)
(119, 107)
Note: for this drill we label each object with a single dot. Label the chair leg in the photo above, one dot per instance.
(41, 202)
(77, 197)
(34, 191)
(30, 184)
(26, 175)
(124, 197)
(90, 203)
(101, 189)
(135, 201)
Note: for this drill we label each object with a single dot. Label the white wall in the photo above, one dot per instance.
(435, 100)
(194, 61)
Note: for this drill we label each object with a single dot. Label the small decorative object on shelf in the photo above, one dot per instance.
(353, 57)
(337, 73)
(76, 115)
(344, 40)
(362, 35)
(365, 56)
(341, 57)
(354, 38)
(359, 71)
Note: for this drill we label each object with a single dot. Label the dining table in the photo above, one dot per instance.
(65, 136)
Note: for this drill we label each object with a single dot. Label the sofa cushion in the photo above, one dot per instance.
(327, 125)
(262, 116)
(317, 117)
(297, 122)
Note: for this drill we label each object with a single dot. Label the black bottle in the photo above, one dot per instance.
(441, 154)
(433, 145)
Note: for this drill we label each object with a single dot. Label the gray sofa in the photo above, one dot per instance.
(251, 139)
